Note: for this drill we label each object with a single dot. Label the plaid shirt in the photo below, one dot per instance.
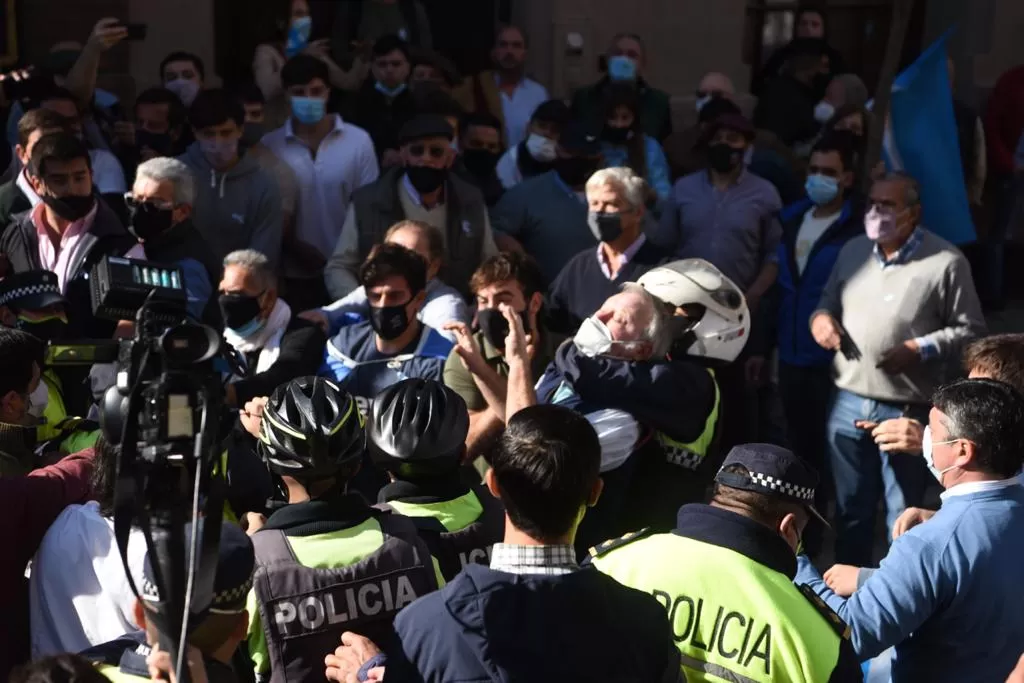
(548, 560)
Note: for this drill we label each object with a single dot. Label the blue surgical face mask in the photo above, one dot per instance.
(298, 36)
(308, 110)
(621, 68)
(821, 189)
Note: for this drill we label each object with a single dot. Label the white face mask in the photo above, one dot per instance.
(926, 451)
(595, 339)
(823, 111)
(38, 400)
(541, 148)
(185, 89)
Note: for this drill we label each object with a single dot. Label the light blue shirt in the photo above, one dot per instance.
(443, 305)
(656, 174)
(518, 108)
(947, 595)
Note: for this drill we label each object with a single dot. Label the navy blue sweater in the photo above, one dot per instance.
(488, 625)
(799, 293)
(581, 287)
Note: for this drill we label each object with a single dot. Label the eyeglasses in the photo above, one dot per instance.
(435, 152)
(135, 204)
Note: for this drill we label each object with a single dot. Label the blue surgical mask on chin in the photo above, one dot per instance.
(251, 328)
(308, 110)
(390, 92)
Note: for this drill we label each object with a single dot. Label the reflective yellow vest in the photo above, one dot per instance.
(116, 675)
(732, 618)
(691, 455)
(55, 410)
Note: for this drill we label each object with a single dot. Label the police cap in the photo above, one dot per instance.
(31, 290)
(236, 561)
(773, 471)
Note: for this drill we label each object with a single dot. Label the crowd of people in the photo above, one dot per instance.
(513, 375)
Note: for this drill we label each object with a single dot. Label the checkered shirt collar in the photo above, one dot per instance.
(28, 290)
(776, 485)
(550, 560)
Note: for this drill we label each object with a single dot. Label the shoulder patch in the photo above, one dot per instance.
(834, 620)
(608, 546)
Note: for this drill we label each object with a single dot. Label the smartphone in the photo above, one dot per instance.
(137, 31)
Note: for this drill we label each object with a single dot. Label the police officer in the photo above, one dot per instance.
(417, 434)
(710, 324)
(217, 628)
(32, 301)
(725, 577)
(327, 562)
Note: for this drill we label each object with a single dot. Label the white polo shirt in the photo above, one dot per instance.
(344, 162)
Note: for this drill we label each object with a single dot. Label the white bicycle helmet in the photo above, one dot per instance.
(722, 331)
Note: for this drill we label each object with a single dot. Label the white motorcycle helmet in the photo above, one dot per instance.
(722, 331)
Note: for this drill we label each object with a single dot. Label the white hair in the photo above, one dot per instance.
(657, 331)
(624, 181)
(166, 169)
(256, 263)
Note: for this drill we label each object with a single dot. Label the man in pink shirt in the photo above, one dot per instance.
(70, 231)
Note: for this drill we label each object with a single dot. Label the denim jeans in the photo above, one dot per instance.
(863, 474)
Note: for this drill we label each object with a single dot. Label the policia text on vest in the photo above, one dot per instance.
(295, 616)
(733, 635)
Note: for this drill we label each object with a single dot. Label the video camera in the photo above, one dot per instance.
(165, 411)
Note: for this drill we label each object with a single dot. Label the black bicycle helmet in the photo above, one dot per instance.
(311, 429)
(417, 428)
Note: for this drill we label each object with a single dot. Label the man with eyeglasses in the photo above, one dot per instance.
(898, 306)
(422, 189)
(160, 205)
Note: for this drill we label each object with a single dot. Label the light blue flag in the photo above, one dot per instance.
(921, 139)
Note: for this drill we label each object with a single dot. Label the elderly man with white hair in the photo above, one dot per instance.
(275, 346)
(615, 213)
(160, 205)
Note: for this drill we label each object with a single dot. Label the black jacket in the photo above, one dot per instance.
(181, 242)
(786, 108)
(302, 353)
(380, 116)
(106, 237)
(12, 201)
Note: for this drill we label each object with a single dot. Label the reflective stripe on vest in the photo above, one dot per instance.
(691, 455)
(732, 618)
(304, 611)
(116, 675)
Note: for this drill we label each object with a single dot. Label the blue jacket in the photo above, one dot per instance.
(947, 595)
(488, 625)
(799, 294)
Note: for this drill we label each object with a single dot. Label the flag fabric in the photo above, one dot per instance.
(921, 139)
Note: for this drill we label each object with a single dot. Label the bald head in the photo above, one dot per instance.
(716, 83)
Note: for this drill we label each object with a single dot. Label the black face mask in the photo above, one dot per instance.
(46, 330)
(606, 227)
(723, 157)
(148, 221)
(160, 143)
(574, 171)
(72, 207)
(617, 136)
(389, 322)
(238, 309)
(480, 162)
(494, 326)
(426, 178)
(252, 133)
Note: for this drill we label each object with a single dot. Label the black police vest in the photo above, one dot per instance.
(305, 611)
(472, 544)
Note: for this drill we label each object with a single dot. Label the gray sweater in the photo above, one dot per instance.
(930, 297)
